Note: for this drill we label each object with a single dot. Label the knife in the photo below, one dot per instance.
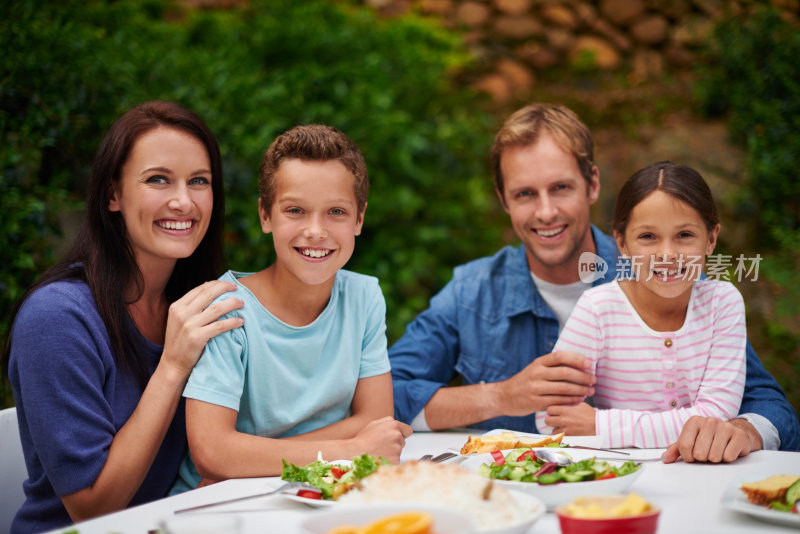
(612, 451)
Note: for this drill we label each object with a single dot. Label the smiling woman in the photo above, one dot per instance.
(102, 345)
(165, 195)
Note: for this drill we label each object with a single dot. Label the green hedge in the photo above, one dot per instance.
(70, 68)
(752, 78)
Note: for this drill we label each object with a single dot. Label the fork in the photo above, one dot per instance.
(286, 487)
(436, 459)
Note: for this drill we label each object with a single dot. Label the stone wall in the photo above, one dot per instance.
(518, 39)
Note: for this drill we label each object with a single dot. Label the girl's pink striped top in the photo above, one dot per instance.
(650, 383)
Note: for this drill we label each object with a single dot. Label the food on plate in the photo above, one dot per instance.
(607, 506)
(522, 465)
(334, 479)
(505, 440)
(488, 504)
(780, 492)
(402, 523)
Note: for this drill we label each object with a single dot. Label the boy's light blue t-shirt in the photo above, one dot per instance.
(285, 380)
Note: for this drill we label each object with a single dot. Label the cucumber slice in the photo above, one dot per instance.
(517, 473)
(579, 476)
(793, 493)
(549, 478)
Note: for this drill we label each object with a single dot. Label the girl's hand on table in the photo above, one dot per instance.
(575, 420)
(193, 320)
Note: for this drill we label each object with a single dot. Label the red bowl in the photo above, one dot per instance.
(646, 523)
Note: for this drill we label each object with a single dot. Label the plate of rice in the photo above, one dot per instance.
(492, 508)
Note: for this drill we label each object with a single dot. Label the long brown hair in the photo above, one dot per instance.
(101, 254)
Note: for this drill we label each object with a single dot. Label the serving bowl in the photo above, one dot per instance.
(554, 495)
(646, 523)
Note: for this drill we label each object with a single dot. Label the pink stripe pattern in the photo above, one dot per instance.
(650, 383)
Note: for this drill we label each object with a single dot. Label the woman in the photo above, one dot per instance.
(102, 345)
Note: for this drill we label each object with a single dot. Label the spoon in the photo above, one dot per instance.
(558, 458)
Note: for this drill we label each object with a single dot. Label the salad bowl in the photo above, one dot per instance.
(560, 492)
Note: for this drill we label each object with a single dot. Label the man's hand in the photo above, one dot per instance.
(559, 378)
(574, 420)
(707, 439)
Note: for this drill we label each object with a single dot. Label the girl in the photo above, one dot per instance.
(102, 345)
(666, 345)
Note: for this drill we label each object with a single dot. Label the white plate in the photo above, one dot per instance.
(532, 504)
(316, 503)
(359, 514)
(445, 521)
(734, 499)
(583, 441)
(554, 495)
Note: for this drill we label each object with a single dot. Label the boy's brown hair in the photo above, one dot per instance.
(313, 142)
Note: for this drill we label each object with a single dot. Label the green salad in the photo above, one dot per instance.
(332, 480)
(522, 465)
(791, 502)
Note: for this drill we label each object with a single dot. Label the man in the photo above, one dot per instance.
(493, 326)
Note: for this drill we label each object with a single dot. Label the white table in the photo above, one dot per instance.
(688, 494)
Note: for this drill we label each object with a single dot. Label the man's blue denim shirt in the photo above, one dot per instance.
(489, 322)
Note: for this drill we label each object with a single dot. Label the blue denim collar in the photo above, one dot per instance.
(527, 298)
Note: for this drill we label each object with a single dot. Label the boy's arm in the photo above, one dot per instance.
(372, 400)
(220, 451)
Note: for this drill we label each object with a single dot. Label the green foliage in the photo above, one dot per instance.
(69, 68)
(752, 77)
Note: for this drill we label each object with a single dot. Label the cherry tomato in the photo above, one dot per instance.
(498, 457)
(309, 494)
(337, 471)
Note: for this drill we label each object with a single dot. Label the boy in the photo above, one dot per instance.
(310, 364)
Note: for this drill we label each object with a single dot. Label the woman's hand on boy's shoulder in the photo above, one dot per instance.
(383, 437)
(193, 320)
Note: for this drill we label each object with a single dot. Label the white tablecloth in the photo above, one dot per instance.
(688, 494)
